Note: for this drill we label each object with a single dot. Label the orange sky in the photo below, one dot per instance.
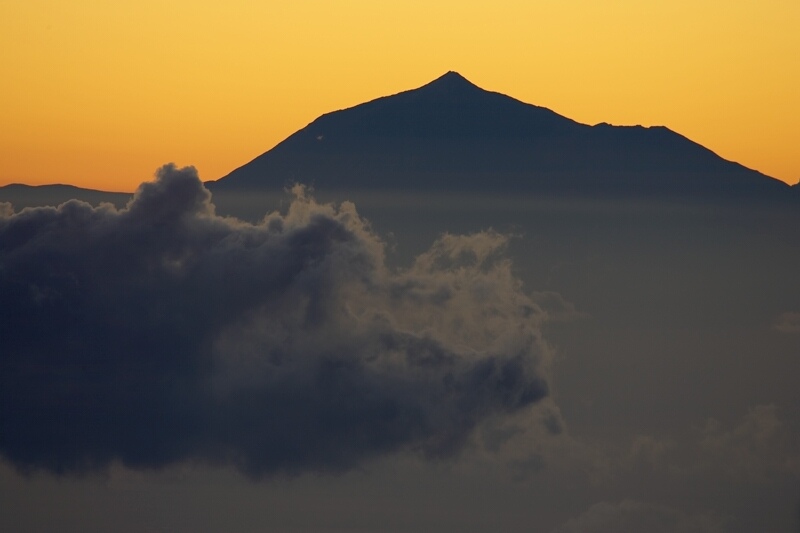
(101, 93)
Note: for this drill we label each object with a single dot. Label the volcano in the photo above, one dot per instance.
(451, 135)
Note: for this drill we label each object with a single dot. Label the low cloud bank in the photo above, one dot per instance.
(630, 516)
(161, 333)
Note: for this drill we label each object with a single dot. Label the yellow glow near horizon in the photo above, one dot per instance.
(101, 93)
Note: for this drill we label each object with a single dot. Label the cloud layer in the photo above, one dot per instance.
(630, 516)
(161, 332)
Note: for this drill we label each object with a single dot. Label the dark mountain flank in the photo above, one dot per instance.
(451, 135)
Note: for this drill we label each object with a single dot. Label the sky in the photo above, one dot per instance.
(430, 363)
(99, 94)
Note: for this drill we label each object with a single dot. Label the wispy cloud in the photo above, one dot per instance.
(788, 323)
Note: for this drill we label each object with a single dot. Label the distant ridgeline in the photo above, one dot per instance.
(22, 196)
(451, 135)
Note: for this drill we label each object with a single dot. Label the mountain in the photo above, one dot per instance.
(452, 135)
(22, 196)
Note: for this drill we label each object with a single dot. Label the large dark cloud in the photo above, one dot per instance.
(161, 332)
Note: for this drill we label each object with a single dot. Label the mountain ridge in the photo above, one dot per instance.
(450, 134)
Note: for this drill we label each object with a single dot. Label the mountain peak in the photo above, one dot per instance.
(451, 82)
(452, 77)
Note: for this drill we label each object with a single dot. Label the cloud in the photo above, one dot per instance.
(630, 516)
(788, 323)
(758, 447)
(162, 332)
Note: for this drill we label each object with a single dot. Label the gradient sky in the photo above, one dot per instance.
(101, 93)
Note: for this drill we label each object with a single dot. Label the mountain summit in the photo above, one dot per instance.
(451, 82)
(451, 135)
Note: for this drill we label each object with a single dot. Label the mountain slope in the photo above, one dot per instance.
(453, 135)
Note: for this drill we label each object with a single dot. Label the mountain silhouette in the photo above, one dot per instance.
(451, 135)
(22, 196)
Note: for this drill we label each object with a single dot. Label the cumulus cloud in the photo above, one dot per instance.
(162, 332)
(630, 516)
